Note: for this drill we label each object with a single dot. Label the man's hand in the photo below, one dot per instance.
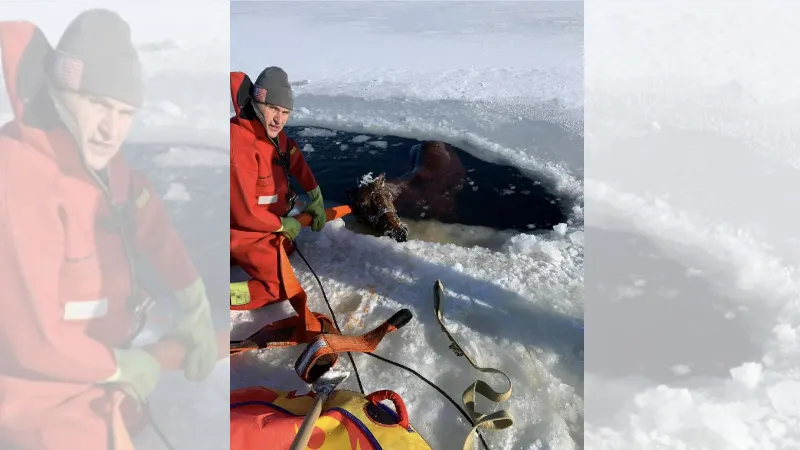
(290, 227)
(317, 209)
(196, 331)
(137, 373)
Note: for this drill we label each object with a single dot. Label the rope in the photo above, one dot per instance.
(156, 428)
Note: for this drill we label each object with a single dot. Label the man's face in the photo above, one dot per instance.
(275, 118)
(103, 124)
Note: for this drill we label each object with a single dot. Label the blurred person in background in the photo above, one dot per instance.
(73, 217)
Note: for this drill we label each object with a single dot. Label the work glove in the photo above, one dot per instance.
(196, 331)
(317, 209)
(137, 373)
(290, 227)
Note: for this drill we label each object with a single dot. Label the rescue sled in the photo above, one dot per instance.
(348, 421)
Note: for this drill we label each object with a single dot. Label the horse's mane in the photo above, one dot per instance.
(394, 189)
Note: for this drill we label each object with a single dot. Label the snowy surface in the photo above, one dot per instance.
(691, 281)
(185, 53)
(448, 71)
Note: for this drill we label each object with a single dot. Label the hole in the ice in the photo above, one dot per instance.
(457, 198)
(653, 315)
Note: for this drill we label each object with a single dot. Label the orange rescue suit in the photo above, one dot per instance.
(65, 275)
(260, 195)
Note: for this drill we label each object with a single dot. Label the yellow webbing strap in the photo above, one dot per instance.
(498, 420)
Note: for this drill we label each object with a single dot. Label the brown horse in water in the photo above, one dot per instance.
(428, 191)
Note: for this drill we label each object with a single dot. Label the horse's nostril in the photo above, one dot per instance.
(399, 234)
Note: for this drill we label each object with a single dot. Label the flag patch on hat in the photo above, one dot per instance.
(68, 71)
(259, 94)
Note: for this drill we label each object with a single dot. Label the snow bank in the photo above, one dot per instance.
(693, 112)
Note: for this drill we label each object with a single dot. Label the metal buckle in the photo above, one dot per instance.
(140, 312)
(291, 199)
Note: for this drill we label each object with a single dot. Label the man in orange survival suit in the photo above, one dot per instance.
(262, 159)
(72, 215)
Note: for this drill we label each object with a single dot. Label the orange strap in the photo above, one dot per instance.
(283, 333)
(323, 348)
(322, 352)
(170, 353)
(336, 212)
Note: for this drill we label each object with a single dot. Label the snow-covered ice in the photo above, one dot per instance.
(691, 168)
(449, 71)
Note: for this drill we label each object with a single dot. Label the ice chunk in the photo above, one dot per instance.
(576, 238)
(177, 193)
(379, 144)
(748, 374)
(785, 398)
(316, 132)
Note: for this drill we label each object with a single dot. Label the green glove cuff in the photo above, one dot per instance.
(137, 373)
(117, 373)
(316, 199)
(195, 330)
(317, 209)
(290, 226)
(131, 360)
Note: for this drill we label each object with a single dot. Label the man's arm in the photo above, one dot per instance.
(35, 328)
(300, 169)
(245, 212)
(157, 239)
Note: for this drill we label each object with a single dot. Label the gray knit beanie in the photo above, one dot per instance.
(96, 55)
(272, 87)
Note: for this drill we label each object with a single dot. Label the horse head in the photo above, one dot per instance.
(373, 202)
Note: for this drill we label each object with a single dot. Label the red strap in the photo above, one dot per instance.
(322, 352)
(283, 333)
(399, 407)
